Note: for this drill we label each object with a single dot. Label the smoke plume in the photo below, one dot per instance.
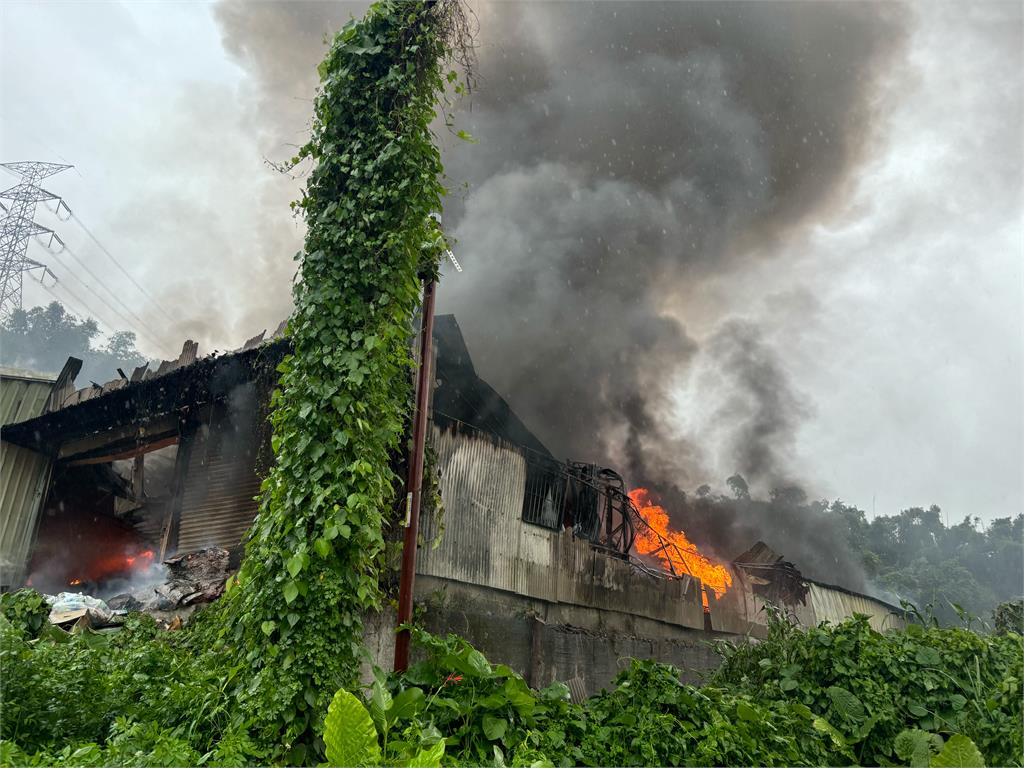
(628, 153)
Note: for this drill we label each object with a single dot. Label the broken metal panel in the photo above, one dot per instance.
(772, 578)
(24, 474)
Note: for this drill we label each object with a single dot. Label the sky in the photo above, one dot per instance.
(863, 325)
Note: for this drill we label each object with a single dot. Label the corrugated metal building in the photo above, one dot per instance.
(516, 521)
(24, 473)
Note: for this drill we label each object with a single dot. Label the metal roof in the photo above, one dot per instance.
(23, 394)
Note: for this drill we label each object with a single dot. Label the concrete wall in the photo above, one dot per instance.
(583, 647)
(550, 606)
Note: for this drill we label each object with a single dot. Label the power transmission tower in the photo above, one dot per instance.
(18, 227)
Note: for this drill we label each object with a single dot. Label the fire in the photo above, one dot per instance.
(116, 565)
(683, 556)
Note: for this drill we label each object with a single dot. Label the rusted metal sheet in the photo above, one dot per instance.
(219, 487)
(24, 474)
(835, 605)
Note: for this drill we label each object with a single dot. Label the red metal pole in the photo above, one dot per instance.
(415, 482)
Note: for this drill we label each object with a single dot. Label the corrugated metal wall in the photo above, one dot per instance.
(219, 486)
(24, 474)
(834, 605)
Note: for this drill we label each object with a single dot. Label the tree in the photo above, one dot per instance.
(43, 338)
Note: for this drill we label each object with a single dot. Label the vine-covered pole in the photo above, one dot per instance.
(415, 483)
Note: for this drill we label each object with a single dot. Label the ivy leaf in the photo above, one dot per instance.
(291, 591)
(294, 565)
(323, 546)
(268, 627)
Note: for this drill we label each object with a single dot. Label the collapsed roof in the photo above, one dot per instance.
(151, 395)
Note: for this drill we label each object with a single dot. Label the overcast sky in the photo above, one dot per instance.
(895, 312)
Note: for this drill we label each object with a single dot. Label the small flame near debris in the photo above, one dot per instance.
(683, 556)
(117, 566)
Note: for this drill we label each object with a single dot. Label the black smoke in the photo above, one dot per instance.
(628, 154)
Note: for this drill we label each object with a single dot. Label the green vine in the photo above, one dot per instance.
(294, 618)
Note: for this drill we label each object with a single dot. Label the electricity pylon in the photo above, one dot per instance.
(18, 227)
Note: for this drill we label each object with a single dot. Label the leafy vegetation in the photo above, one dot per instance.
(826, 696)
(871, 687)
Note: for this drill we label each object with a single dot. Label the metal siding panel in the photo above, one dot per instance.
(24, 475)
(482, 486)
(22, 398)
(218, 498)
(835, 606)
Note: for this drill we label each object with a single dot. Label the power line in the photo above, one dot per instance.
(118, 265)
(128, 323)
(82, 308)
(152, 335)
(17, 229)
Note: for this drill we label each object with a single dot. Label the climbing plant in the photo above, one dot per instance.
(294, 617)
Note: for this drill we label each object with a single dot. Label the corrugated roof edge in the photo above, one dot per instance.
(25, 374)
(189, 356)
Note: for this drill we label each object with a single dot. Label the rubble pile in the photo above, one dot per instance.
(192, 579)
(198, 577)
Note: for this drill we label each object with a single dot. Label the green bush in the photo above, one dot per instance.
(873, 686)
(26, 610)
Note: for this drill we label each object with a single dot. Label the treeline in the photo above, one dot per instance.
(41, 339)
(915, 555)
(965, 568)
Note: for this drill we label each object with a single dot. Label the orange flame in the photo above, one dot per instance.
(683, 557)
(116, 565)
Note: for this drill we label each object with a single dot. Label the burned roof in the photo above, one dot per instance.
(461, 397)
(176, 386)
(202, 381)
